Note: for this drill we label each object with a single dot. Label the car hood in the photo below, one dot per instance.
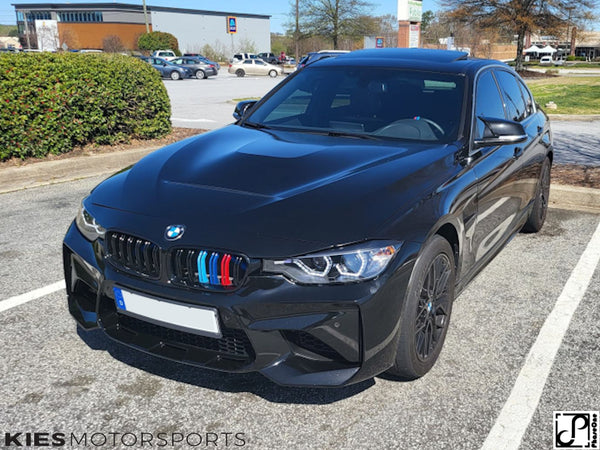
(267, 193)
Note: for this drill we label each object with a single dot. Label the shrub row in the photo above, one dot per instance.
(50, 103)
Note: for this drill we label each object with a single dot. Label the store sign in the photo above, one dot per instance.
(231, 24)
(410, 10)
(413, 37)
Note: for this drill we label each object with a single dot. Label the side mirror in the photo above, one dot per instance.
(500, 132)
(242, 107)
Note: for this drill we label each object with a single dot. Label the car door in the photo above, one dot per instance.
(159, 65)
(497, 168)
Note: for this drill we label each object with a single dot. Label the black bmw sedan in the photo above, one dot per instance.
(323, 237)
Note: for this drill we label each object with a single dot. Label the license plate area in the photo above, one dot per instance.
(189, 318)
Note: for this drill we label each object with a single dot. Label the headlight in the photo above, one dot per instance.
(345, 265)
(88, 226)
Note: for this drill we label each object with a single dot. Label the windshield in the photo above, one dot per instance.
(367, 102)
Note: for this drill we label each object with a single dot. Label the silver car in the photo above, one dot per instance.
(254, 67)
(200, 68)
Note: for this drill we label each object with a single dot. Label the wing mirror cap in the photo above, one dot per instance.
(501, 132)
(242, 108)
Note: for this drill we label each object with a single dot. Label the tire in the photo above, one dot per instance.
(426, 313)
(200, 74)
(537, 215)
(273, 73)
(175, 75)
(240, 72)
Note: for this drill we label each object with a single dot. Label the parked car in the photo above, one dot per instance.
(323, 237)
(199, 68)
(208, 61)
(167, 55)
(546, 60)
(269, 58)
(254, 67)
(170, 70)
(316, 56)
(242, 56)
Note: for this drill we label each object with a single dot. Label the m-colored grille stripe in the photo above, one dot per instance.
(202, 275)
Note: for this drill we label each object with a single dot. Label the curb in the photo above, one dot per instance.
(573, 117)
(574, 198)
(80, 167)
(60, 171)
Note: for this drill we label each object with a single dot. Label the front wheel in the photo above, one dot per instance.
(240, 73)
(426, 312)
(273, 73)
(175, 75)
(200, 74)
(537, 215)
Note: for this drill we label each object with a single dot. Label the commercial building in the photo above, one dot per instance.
(86, 25)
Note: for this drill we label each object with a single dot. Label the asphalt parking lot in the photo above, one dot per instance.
(505, 368)
(58, 379)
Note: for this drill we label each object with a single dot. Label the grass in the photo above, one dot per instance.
(572, 95)
(236, 100)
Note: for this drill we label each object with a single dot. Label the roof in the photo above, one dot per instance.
(412, 58)
(128, 7)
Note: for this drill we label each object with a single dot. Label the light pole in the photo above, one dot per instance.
(297, 33)
(146, 16)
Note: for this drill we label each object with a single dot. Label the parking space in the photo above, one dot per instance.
(209, 103)
(58, 379)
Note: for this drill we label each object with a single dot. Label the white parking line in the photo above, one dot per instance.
(518, 410)
(32, 295)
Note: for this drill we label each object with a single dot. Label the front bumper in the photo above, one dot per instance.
(294, 335)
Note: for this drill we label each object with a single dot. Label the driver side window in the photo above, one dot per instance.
(488, 102)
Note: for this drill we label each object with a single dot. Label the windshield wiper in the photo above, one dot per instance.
(353, 135)
(256, 125)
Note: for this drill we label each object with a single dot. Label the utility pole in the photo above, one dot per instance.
(146, 16)
(297, 32)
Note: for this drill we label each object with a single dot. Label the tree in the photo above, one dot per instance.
(334, 18)
(112, 44)
(521, 16)
(426, 19)
(158, 40)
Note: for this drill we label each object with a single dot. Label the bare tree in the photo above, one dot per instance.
(113, 44)
(521, 16)
(333, 18)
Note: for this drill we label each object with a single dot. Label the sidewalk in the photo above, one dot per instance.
(70, 169)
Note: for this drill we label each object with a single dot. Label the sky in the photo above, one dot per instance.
(277, 9)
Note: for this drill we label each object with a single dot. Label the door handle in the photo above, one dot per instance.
(518, 152)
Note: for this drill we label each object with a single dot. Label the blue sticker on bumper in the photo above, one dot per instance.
(119, 299)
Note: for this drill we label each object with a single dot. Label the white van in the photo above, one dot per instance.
(546, 60)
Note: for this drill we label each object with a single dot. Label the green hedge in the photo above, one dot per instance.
(158, 40)
(51, 103)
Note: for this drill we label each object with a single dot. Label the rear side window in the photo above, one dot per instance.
(529, 102)
(488, 102)
(513, 99)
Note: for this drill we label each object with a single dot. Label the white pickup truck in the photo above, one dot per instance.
(165, 54)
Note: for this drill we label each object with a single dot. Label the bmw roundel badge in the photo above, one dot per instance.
(174, 232)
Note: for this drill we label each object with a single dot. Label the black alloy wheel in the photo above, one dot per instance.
(537, 216)
(426, 311)
(433, 307)
(240, 73)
